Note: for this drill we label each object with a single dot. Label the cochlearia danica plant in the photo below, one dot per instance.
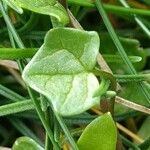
(78, 81)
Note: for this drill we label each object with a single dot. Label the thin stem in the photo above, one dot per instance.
(48, 144)
(102, 88)
(137, 19)
(57, 130)
(74, 132)
(120, 47)
(113, 84)
(43, 120)
(66, 131)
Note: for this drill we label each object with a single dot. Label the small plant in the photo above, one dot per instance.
(79, 85)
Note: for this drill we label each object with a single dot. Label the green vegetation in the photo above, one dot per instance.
(74, 74)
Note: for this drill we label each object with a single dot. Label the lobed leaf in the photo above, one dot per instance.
(61, 70)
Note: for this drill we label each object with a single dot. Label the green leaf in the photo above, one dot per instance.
(100, 134)
(46, 7)
(61, 70)
(24, 143)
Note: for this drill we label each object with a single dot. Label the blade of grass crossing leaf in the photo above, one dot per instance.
(21, 45)
(120, 47)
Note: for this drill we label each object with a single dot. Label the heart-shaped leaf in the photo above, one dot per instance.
(47, 7)
(100, 134)
(24, 143)
(61, 70)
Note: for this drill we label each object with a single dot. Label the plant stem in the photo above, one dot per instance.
(48, 144)
(102, 88)
(57, 130)
(120, 47)
(66, 131)
(43, 120)
(137, 19)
